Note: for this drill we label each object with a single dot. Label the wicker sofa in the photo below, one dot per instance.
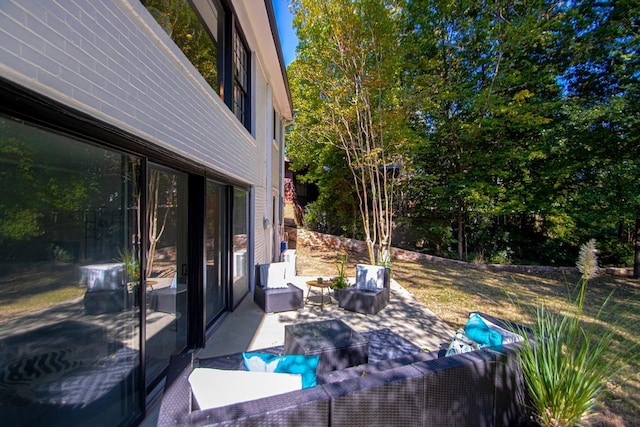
(479, 388)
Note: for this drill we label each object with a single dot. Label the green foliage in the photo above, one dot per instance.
(32, 192)
(566, 364)
(520, 121)
(19, 225)
(333, 217)
(181, 23)
(61, 255)
(615, 251)
(482, 111)
(131, 264)
(424, 235)
(349, 133)
(340, 281)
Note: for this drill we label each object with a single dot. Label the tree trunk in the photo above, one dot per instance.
(460, 234)
(636, 261)
(371, 251)
(153, 204)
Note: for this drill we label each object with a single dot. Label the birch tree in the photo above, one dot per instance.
(347, 72)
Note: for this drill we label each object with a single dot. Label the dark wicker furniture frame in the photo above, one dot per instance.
(336, 343)
(366, 302)
(277, 300)
(480, 388)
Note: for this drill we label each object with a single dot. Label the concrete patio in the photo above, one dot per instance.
(249, 328)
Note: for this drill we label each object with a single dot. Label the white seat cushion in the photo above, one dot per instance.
(213, 388)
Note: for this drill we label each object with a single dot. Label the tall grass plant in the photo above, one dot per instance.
(340, 281)
(566, 363)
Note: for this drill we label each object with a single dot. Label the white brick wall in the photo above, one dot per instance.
(111, 60)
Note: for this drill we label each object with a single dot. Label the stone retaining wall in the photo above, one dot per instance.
(327, 241)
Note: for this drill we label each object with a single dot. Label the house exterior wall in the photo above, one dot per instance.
(263, 103)
(112, 61)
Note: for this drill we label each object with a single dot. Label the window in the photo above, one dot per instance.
(197, 41)
(212, 41)
(69, 268)
(215, 248)
(275, 125)
(240, 78)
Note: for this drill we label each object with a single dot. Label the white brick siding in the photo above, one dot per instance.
(111, 60)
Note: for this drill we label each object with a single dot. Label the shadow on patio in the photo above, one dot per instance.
(249, 328)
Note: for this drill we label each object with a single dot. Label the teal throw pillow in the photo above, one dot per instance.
(285, 364)
(479, 331)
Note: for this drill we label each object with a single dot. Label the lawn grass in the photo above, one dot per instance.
(451, 292)
(36, 289)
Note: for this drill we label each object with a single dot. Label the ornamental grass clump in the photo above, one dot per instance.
(566, 364)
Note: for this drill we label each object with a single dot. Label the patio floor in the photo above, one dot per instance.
(249, 328)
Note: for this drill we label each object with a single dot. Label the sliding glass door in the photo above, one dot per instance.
(215, 251)
(104, 267)
(70, 320)
(166, 268)
(240, 240)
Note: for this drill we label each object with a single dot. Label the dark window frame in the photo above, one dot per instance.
(234, 82)
(241, 77)
(42, 112)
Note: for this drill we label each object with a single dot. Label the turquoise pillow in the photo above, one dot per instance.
(479, 331)
(306, 366)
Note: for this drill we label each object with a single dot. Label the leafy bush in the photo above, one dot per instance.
(614, 250)
(61, 255)
(331, 219)
(131, 264)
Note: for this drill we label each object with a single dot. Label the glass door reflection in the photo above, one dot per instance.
(166, 268)
(240, 240)
(215, 289)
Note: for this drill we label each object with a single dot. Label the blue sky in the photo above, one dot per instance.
(287, 35)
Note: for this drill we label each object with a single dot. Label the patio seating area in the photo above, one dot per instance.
(405, 387)
(250, 328)
(406, 379)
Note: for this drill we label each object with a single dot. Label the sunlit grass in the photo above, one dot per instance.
(38, 302)
(451, 292)
(33, 290)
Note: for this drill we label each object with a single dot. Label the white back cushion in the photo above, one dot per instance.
(272, 276)
(369, 277)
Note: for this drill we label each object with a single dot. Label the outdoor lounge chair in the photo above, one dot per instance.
(371, 292)
(272, 292)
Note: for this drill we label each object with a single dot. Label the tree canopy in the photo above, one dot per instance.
(347, 81)
(516, 122)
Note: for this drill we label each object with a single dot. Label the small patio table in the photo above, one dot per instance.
(325, 284)
(338, 345)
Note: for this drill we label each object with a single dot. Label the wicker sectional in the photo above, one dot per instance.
(480, 388)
